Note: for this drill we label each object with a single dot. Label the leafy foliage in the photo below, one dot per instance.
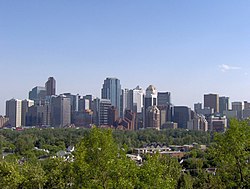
(100, 159)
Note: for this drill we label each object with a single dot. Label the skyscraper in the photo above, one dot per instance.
(149, 100)
(14, 112)
(111, 90)
(138, 95)
(25, 108)
(38, 94)
(104, 107)
(90, 99)
(112, 115)
(246, 110)
(50, 86)
(163, 98)
(84, 104)
(238, 107)
(182, 115)
(96, 110)
(74, 101)
(130, 119)
(152, 118)
(39, 115)
(223, 104)
(133, 99)
(126, 98)
(60, 111)
(212, 101)
(197, 107)
(151, 97)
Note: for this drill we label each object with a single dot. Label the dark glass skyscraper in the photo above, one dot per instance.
(182, 115)
(60, 111)
(223, 104)
(50, 86)
(212, 101)
(111, 90)
(38, 95)
(163, 98)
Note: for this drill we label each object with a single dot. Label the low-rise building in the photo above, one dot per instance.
(218, 123)
(3, 121)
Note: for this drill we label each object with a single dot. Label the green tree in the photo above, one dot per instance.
(231, 154)
(24, 143)
(10, 176)
(185, 181)
(59, 173)
(100, 164)
(34, 176)
(159, 172)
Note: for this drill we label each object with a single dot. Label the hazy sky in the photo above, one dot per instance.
(187, 47)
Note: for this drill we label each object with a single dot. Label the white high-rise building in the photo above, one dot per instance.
(138, 94)
(14, 112)
(126, 99)
(133, 99)
(151, 97)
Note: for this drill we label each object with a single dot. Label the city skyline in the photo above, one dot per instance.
(187, 48)
(191, 106)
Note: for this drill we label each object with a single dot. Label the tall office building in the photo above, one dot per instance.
(111, 90)
(165, 107)
(138, 95)
(14, 112)
(113, 115)
(163, 98)
(246, 110)
(50, 86)
(25, 108)
(126, 100)
(74, 101)
(223, 104)
(130, 119)
(182, 115)
(133, 99)
(90, 99)
(84, 104)
(39, 115)
(212, 101)
(96, 110)
(246, 105)
(238, 107)
(60, 111)
(38, 94)
(197, 106)
(152, 118)
(166, 114)
(151, 97)
(104, 107)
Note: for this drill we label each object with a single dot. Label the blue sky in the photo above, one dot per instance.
(186, 47)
